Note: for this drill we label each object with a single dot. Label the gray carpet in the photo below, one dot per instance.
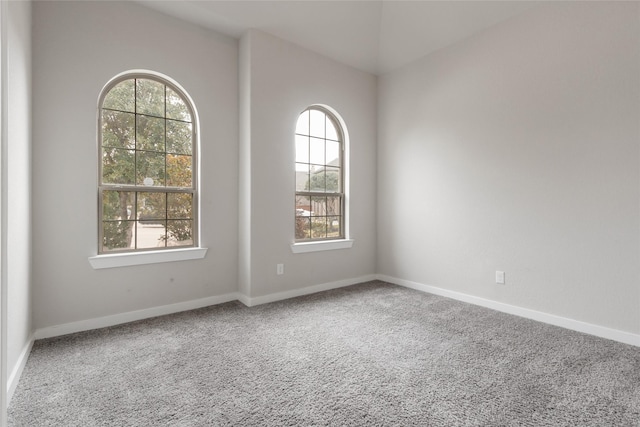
(368, 355)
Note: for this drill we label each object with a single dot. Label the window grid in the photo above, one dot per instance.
(319, 204)
(177, 229)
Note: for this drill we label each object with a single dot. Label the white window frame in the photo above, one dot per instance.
(139, 256)
(344, 241)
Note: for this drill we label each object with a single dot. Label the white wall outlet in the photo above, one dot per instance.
(500, 277)
(280, 269)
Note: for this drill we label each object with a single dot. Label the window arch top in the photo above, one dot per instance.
(146, 95)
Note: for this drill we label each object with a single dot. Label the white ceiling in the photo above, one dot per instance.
(376, 36)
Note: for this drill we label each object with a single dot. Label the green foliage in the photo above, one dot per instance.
(150, 97)
(118, 142)
(176, 107)
(121, 97)
(117, 215)
(179, 136)
(151, 207)
(179, 172)
(179, 205)
(149, 133)
(117, 234)
(302, 227)
(318, 228)
(179, 231)
(324, 181)
(179, 223)
(150, 164)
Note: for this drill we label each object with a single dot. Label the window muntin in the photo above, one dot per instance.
(319, 204)
(147, 168)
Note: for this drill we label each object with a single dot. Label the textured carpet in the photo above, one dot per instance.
(368, 355)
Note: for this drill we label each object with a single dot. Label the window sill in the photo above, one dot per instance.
(327, 245)
(141, 258)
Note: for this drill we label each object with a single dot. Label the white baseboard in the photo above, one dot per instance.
(16, 372)
(279, 296)
(244, 299)
(563, 322)
(131, 316)
(117, 319)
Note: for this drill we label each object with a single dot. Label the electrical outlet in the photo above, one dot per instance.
(500, 277)
(280, 269)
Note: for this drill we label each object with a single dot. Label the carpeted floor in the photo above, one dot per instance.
(373, 354)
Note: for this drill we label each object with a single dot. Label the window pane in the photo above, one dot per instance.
(303, 227)
(151, 208)
(179, 172)
(117, 129)
(179, 205)
(302, 149)
(316, 151)
(318, 180)
(150, 168)
(333, 226)
(303, 206)
(333, 205)
(303, 220)
(150, 133)
(302, 127)
(117, 205)
(318, 205)
(117, 166)
(151, 235)
(179, 232)
(332, 132)
(121, 97)
(117, 235)
(179, 137)
(150, 97)
(318, 227)
(317, 119)
(176, 108)
(302, 177)
(333, 153)
(333, 180)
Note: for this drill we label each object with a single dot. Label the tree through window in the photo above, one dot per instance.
(319, 207)
(147, 182)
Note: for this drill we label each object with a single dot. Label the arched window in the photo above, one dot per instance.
(320, 199)
(147, 168)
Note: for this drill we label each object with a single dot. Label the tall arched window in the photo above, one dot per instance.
(320, 199)
(147, 165)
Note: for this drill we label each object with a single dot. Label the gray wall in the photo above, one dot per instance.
(518, 150)
(280, 80)
(78, 47)
(18, 184)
